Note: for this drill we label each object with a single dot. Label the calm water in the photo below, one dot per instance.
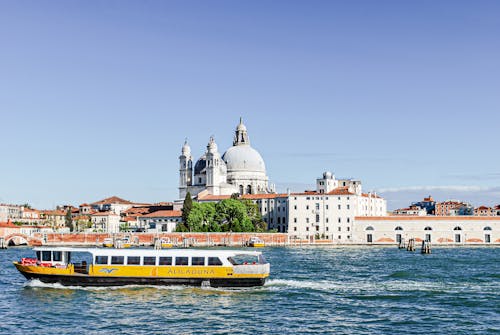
(311, 290)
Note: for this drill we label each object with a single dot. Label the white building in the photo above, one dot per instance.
(436, 229)
(240, 169)
(326, 213)
(107, 222)
(160, 221)
(113, 204)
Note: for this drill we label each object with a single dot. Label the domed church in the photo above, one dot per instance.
(240, 169)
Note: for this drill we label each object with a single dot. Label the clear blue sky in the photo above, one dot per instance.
(96, 97)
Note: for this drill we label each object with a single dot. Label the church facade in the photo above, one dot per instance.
(240, 169)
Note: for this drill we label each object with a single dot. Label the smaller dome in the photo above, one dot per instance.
(201, 164)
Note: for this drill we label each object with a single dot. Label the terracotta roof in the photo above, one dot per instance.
(112, 200)
(482, 207)
(426, 218)
(129, 218)
(136, 211)
(165, 213)
(264, 196)
(8, 225)
(214, 197)
(84, 205)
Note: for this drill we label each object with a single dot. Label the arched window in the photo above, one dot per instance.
(457, 228)
(398, 228)
(427, 228)
(487, 228)
(249, 189)
(369, 228)
(241, 189)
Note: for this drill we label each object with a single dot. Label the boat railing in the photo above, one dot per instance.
(251, 268)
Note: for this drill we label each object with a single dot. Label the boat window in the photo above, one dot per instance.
(181, 260)
(46, 256)
(262, 260)
(101, 259)
(38, 255)
(133, 260)
(57, 256)
(214, 261)
(165, 261)
(244, 259)
(149, 261)
(117, 259)
(198, 261)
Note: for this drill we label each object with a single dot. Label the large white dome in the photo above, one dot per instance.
(243, 158)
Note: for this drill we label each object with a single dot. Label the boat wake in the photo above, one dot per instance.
(35, 283)
(321, 285)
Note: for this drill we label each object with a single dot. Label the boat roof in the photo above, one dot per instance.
(152, 252)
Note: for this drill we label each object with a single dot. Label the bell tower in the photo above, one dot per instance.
(185, 170)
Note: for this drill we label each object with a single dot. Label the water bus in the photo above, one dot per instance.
(116, 267)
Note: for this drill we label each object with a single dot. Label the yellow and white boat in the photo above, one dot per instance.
(256, 242)
(116, 267)
(108, 242)
(166, 243)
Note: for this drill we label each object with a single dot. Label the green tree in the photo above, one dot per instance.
(186, 209)
(69, 220)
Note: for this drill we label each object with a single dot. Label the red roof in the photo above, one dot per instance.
(112, 200)
(165, 213)
(8, 225)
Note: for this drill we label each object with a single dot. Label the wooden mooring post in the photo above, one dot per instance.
(402, 244)
(3, 245)
(411, 245)
(426, 247)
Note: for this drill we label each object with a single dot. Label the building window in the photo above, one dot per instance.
(295, 207)
(294, 228)
(348, 220)
(307, 228)
(339, 206)
(326, 228)
(307, 207)
(317, 206)
(340, 220)
(348, 206)
(307, 220)
(295, 220)
(348, 228)
(326, 206)
(326, 220)
(340, 228)
(317, 217)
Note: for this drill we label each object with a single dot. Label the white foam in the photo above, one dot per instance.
(35, 283)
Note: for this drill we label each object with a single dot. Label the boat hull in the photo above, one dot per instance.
(96, 281)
